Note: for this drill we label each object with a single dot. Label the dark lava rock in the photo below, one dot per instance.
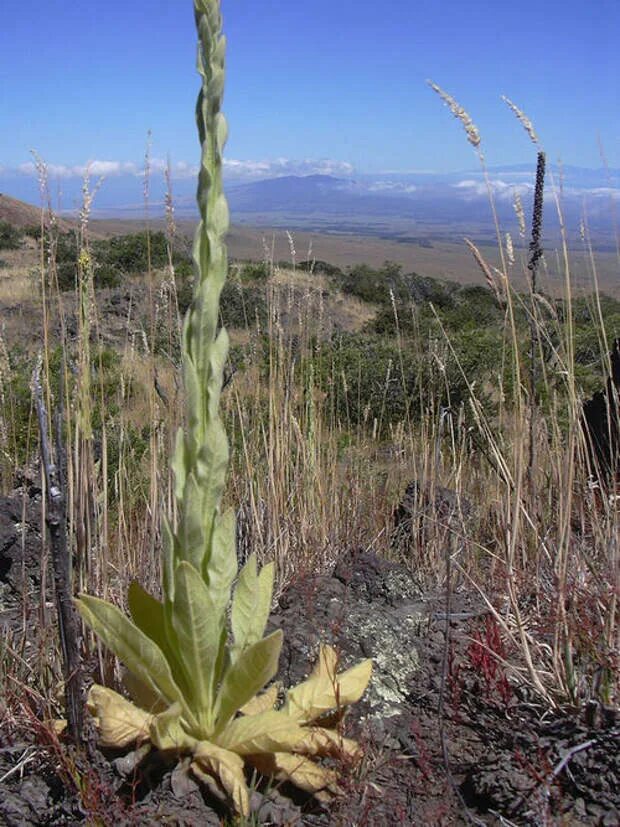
(28, 804)
(368, 608)
(20, 550)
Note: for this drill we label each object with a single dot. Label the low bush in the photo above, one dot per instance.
(10, 236)
(242, 306)
(254, 271)
(320, 267)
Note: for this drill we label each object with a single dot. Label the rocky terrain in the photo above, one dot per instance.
(449, 737)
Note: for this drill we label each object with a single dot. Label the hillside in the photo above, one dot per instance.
(21, 214)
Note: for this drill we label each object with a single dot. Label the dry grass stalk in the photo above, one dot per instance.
(520, 213)
(523, 119)
(471, 130)
(486, 271)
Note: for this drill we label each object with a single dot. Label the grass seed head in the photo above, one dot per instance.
(523, 119)
(520, 213)
(473, 135)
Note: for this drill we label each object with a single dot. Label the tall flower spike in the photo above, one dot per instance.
(195, 685)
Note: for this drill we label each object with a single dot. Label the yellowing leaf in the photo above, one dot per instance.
(225, 767)
(120, 723)
(323, 692)
(135, 649)
(321, 741)
(269, 731)
(327, 662)
(167, 733)
(303, 772)
(262, 703)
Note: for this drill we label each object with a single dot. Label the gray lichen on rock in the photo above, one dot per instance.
(387, 637)
(368, 608)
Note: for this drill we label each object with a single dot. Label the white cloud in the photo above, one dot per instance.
(603, 192)
(107, 168)
(279, 167)
(392, 186)
(248, 170)
(96, 167)
(502, 189)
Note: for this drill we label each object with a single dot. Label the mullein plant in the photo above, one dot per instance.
(198, 661)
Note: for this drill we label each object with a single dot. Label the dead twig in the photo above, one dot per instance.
(56, 519)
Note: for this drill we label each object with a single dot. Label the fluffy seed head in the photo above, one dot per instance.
(510, 252)
(520, 212)
(473, 136)
(522, 118)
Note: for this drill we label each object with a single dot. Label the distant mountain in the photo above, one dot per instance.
(322, 194)
(422, 198)
(401, 205)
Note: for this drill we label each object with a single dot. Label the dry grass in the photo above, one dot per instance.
(308, 484)
(18, 276)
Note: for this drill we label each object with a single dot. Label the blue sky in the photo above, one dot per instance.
(334, 81)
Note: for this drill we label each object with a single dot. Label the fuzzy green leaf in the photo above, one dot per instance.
(252, 603)
(250, 672)
(193, 535)
(135, 649)
(201, 632)
(220, 567)
(148, 615)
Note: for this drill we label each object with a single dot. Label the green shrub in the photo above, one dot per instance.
(320, 267)
(128, 254)
(367, 284)
(361, 374)
(33, 231)
(10, 236)
(116, 258)
(253, 271)
(242, 306)
(388, 286)
(65, 253)
(370, 377)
